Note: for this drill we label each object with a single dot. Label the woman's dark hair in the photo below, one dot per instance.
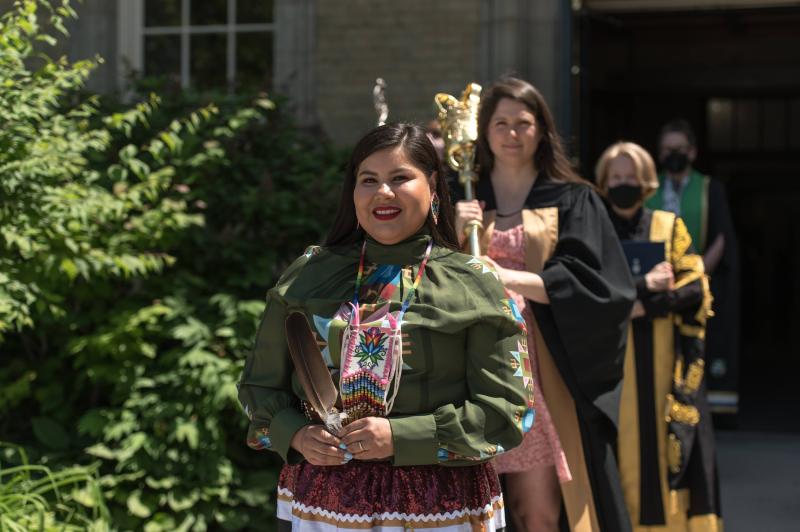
(549, 158)
(420, 151)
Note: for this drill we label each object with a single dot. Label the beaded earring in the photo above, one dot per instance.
(435, 208)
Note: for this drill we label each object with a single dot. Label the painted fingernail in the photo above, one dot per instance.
(348, 456)
(342, 446)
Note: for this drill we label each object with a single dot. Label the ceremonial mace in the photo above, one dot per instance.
(379, 99)
(459, 122)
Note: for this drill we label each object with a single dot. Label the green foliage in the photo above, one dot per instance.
(136, 245)
(32, 497)
(60, 219)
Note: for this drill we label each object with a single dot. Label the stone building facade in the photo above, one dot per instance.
(326, 54)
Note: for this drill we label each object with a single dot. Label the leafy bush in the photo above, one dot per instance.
(136, 245)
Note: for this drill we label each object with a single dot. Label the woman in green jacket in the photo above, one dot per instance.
(429, 351)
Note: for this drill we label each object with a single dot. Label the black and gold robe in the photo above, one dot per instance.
(580, 337)
(666, 443)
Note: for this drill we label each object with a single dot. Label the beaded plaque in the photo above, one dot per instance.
(371, 360)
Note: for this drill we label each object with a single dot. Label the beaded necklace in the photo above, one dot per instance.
(417, 279)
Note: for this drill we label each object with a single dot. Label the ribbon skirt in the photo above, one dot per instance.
(379, 496)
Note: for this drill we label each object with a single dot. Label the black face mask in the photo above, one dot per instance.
(625, 196)
(675, 162)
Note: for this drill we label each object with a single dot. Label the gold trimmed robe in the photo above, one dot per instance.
(665, 448)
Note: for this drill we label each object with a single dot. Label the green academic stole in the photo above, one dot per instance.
(694, 206)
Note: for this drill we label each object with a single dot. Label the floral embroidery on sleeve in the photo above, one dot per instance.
(477, 264)
(259, 440)
(445, 455)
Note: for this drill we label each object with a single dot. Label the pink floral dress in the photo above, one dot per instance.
(541, 446)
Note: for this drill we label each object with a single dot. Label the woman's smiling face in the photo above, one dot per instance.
(513, 134)
(392, 196)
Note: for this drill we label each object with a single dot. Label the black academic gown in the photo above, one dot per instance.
(585, 325)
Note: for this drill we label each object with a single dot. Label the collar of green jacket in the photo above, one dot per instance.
(408, 251)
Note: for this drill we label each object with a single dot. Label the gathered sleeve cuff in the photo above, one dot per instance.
(415, 440)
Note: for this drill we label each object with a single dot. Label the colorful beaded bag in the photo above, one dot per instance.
(372, 353)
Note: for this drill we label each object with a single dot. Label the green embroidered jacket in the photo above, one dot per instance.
(466, 388)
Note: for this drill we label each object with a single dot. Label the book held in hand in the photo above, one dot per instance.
(643, 256)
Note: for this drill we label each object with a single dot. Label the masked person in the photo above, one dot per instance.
(430, 353)
(666, 442)
(555, 250)
(702, 204)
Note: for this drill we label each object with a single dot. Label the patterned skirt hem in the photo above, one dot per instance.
(489, 518)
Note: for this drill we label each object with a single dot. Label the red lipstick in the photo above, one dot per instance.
(386, 213)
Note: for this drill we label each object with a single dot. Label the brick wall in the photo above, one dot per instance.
(420, 47)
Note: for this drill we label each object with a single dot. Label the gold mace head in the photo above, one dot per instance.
(459, 122)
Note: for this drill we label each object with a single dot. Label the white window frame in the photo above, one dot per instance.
(132, 33)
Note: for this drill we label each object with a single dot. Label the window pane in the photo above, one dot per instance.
(162, 13)
(162, 56)
(207, 63)
(775, 124)
(254, 61)
(794, 124)
(747, 125)
(253, 11)
(205, 12)
(720, 122)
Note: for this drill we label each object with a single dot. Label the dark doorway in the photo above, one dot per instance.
(735, 76)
